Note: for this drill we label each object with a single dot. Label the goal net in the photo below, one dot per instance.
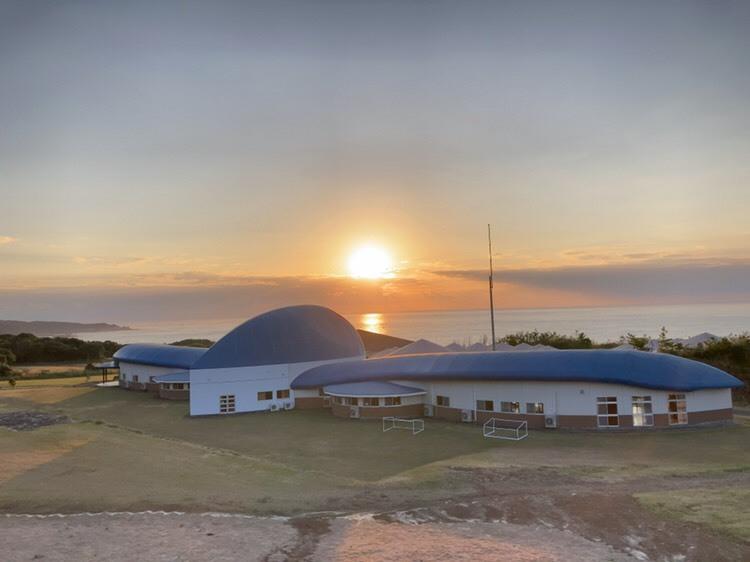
(497, 428)
(415, 426)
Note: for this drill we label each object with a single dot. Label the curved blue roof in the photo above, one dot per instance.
(659, 371)
(371, 388)
(295, 334)
(159, 355)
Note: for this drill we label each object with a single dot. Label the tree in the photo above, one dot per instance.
(638, 342)
(666, 344)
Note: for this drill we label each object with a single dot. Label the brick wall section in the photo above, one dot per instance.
(407, 411)
(710, 416)
(174, 394)
(448, 414)
(153, 387)
(310, 402)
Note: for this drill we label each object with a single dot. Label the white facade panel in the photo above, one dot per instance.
(244, 383)
(143, 372)
(564, 398)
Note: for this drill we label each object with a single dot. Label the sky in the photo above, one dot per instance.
(208, 159)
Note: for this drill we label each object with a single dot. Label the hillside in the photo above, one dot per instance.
(45, 328)
(378, 342)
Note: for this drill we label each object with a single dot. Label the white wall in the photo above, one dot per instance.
(563, 398)
(207, 385)
(144, 372)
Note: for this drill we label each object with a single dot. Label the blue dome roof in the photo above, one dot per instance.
(296, 334)
(634, 368)
(159, 355)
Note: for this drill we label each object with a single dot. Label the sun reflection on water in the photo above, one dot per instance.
(372, 322)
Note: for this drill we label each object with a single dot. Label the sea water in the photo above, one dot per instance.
(468, 326)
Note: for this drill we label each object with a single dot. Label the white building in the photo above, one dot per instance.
(311, 357)
(251, 368)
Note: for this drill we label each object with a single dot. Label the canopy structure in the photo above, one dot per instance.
(419, 346)
(373, 389)
(632, 368)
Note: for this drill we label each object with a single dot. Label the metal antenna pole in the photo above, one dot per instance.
(492, 302)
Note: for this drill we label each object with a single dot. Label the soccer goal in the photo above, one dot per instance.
(497, 428)
(390, 422)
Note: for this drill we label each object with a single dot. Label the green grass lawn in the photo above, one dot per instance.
(128, 450)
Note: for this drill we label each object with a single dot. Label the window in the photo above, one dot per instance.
(226, 403)
(443, 401)
(606, 411)
(351, 401)
(282, 393)
(534, 408)
(135, 378)
(338, 400)
(642, 411)
(485, 405)
(677, 409)
(510, 407)
(393, 401)
(371, 401)
(178, 386)
(265, 395)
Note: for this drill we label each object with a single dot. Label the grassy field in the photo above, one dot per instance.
(129, 451)
(726, 510)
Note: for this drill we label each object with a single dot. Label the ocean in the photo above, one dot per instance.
(468, 326)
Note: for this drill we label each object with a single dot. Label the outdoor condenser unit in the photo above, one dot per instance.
(273, 407)
(354, 412)
(550, 422)
(428, 411)
(466, 416)
(287, 405)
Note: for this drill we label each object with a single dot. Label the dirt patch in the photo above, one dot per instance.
(310, 529)
(602, 513)
(28, 420)
(127, 537)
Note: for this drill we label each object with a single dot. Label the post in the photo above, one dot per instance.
(492, 302)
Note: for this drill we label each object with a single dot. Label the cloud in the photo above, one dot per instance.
(653, 281)
(196, 295)
(6, 240)
(106, 261)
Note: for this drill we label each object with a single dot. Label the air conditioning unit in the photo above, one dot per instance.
(354, 412)
(550, 422)
(274, 407)
(288, 405)
(467, 416)
(429, 411)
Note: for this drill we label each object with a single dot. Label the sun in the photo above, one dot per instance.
(370, 262)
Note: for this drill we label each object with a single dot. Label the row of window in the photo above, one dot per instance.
(489, 406)
(176, 386)
(607, 414)
(372, 402)
(227, 402)
(268, 394)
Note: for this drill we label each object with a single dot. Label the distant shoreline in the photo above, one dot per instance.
(43, 328)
